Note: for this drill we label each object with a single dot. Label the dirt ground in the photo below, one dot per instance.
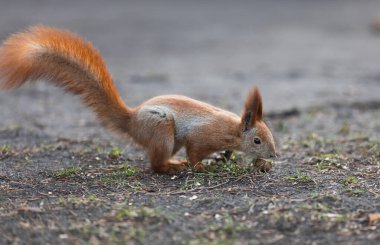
(324, 188)
(65, 180)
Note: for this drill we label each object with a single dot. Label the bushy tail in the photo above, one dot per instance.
(68, 61)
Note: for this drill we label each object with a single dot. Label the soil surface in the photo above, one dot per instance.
(65, 180)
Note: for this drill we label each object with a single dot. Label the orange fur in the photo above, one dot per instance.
(68, 61)
(162, 125)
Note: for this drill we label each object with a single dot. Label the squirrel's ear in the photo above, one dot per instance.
(253, 109)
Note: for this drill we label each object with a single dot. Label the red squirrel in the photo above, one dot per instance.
(162, 125)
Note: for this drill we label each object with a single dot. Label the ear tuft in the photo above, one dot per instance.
(247, 120)
(253, 109)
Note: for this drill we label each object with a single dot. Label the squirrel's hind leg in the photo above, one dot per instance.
(160, 150)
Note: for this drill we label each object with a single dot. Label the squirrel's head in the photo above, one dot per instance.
(257, 139)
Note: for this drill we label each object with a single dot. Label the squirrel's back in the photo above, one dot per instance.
(68, 61)
(188, 115)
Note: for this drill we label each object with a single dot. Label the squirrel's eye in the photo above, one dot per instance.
(257, 141)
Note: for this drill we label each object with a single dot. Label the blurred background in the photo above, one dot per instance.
(301, 53)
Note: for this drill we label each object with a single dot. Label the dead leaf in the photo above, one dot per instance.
(25, 225)
(29, 209)
(373, 218)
